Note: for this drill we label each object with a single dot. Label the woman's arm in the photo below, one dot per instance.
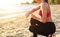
(33, 10)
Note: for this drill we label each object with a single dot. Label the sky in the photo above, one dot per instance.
(8, 6)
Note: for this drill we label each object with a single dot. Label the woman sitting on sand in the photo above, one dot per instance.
(44, 25)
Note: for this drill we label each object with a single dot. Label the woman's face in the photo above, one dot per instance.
(38, 1)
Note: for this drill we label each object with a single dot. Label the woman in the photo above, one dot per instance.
(42, 25)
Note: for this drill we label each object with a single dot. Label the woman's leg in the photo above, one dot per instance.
(53, 35)
(34, 34)
(49, 35)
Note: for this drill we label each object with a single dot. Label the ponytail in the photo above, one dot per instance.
(46, 1)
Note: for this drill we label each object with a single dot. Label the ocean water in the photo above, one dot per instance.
(13, 10)
(16, 8)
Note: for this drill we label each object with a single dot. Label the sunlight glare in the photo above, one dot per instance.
(9, 6)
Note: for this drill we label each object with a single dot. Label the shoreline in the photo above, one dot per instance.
(12, 15)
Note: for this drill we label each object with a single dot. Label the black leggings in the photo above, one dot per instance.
(38, 27)
(34, 34)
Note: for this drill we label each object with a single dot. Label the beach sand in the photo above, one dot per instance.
(18, 26)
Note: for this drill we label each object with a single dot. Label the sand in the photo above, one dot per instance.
(18, 26)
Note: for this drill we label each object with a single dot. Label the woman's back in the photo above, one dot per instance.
(46, 10)
(49, 19)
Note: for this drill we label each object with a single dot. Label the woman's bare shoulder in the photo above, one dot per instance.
(46, 4)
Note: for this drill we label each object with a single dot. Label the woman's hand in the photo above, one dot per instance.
(33, 16)
(27, 15)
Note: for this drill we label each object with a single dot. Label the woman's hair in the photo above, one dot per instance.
(46, 1)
